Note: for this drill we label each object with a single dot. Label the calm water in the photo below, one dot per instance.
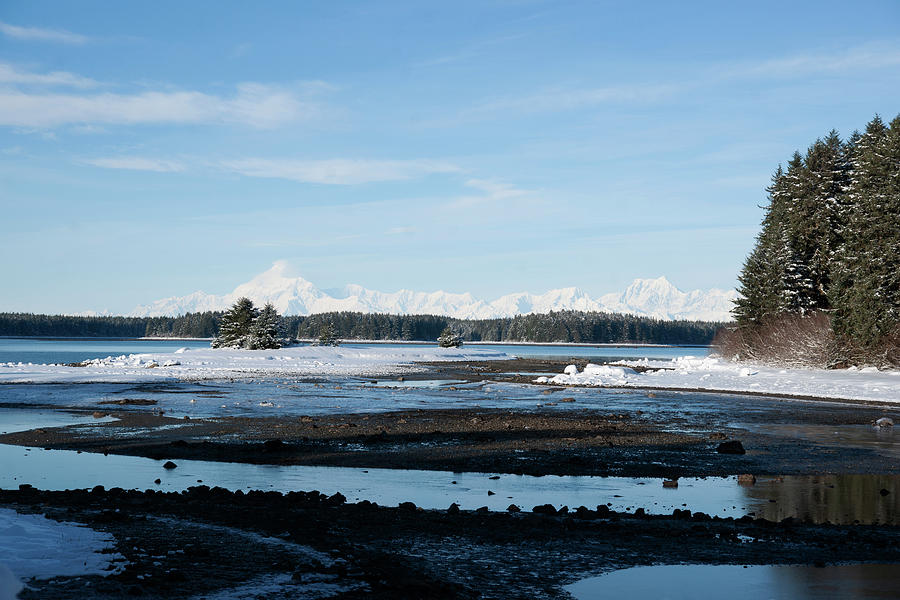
(737, 582)
(838, 499)
(48, 351)
(41, 350)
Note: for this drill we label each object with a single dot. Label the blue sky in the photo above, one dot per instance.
(154, 149)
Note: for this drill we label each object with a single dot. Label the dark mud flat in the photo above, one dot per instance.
(203, 541)
(530, 442)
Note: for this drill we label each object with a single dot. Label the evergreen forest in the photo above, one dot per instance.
(564, 326)
(822, 285)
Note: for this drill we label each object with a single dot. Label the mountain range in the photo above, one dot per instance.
(297, 296)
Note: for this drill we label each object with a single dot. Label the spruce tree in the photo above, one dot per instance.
(266, 329)
(236, 327)
(866, 290)
(327, 335)
(449, 339)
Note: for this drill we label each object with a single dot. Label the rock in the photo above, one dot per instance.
(273, 445)
(717, 436)
(732, 447)
(670, 483)
(157, 481)
(884, 422)
(482, 509)
(746, 479)
(98, 415)
(453, 509)
(567, 400)
(407, 506)
(513, 508)
(883, 492)
(544, 509)
(490, 493)
(169, 465)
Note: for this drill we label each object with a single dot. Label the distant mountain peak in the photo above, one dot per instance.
(294, 295)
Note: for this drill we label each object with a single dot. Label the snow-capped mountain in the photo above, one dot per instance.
(297, 296)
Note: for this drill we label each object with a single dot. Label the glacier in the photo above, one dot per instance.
(291, 295)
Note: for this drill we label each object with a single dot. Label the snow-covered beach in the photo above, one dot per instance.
(716, 374)
(191, 364)
(708, 373)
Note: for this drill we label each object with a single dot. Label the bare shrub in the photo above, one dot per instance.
(787, 340)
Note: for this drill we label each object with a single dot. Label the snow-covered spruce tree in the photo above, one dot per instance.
(866, 289)
(449, 339)
(327, 335)
(266, 331)
(236, 327)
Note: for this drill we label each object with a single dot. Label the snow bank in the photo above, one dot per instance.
(219, 363)
(716, 374)
(35, 547)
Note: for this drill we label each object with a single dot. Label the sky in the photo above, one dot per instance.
(152, 149)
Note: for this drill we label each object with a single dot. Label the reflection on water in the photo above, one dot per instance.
(18, 419)
(834, 498)
(850, 498)
(737, 582)
(880, 439)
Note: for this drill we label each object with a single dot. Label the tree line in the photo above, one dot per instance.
(562, 326)
(825, 268)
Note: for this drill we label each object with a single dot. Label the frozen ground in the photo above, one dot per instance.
(717, 374)
(35, 547)
(208, 363)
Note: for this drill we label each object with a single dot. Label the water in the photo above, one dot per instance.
(52, 351)
(13, 420)
(737, 582)
(838, 499)
(47, 350)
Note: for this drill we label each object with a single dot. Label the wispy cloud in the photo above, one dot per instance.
(136, 163)
(867, 57)
(338, 171)
(252, 104)
(561, 99)
(38, 34)
(492, 192)
(13, 75)
(401, 230)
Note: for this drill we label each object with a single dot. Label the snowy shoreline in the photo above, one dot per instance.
(716, 375)
(193, 364)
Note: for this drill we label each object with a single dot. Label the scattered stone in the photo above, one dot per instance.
(98, 415)
(884, 492)
(718, 436)
(731, 447)
(544, 509)
(567, 400)
(273, 445)
(746, 479)
(169, 465)
(670, 483)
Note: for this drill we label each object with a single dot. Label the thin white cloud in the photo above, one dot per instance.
(337, 171)
(867, 57)
(253, 104)
(38, 34)
(12, 75)
(136, 163)
(401, 230)
(553, 100)
(492, 192)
